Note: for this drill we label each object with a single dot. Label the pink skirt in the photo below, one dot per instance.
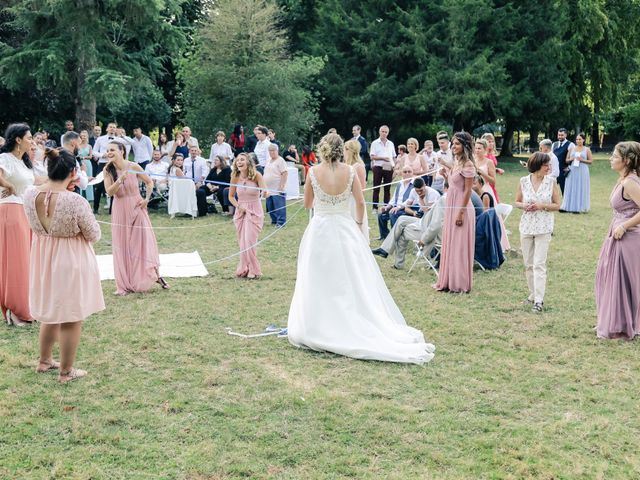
(15, 245)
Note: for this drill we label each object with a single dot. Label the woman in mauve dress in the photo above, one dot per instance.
(136, 261)
(247, 183)
(618, 273)
(64, 277)
(459, 228)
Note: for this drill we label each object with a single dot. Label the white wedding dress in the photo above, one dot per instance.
(341, 303)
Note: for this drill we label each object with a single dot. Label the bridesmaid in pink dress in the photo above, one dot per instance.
(64, 278)
(136, 261)
(618, 274)
(249, 216)
(459, 228)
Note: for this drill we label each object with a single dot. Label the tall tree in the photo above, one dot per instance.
(97, 50)
(241, 72)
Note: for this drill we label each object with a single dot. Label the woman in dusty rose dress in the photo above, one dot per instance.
(249, 216)
(136, 262)
(618, 274)
(64, 278)
(459, 228)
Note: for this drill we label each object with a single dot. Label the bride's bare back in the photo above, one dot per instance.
(332, 181)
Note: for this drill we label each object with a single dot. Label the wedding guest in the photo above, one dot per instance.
(195, 167)
(485, 167)
(85, 155)
(216, 183)
(136, 262)
(273, 140)
(308, 160)
(237, 140)
(37, 161)
(164, 147)
(179, 145)
(618, 273)
(157, 172)
(560, 150)
(249, 217)
(189, 140)
(577, 181)
(444, 157)
(353, 157)
(64, 276)
(430, 157)
(262, 147)
(251, 140)
(275, 178)
(177, 165)
(141, 146)
(71, 142)
(395, 207)
(492, 154)
(68, 127)
(221, 148)
(545, 147)
(356, 130)
(413, 159)
(293, 160)
(458, 236)
(100, 156)
(538, 195)
(96, 133)
(16, 175)
(382, 155)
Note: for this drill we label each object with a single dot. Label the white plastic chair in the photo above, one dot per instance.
(423, 257)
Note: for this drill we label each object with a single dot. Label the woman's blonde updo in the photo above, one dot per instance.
(331, 148)
(352, 148)
(630, 153)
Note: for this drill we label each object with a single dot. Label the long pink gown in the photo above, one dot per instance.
(458, 242)
(618, 274)
(136, 261)
(248, 226)
(64, 277)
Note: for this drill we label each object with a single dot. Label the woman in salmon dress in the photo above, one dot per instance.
(64, 277)
(136, 262)
(618, 273)
(459, 228)
(246, 184)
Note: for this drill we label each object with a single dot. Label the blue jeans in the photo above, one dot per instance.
(276, 206)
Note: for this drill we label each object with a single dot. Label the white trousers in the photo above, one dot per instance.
(534, 252)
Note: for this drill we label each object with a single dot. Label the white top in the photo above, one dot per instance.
(398, 194)
(431, 197)
(386, 149)
(223, 149)
(157, 171)
(431, 160)
(555, 165)
(441, 159)
(15, 171)
(193, 142)
(273, 171)
(262, 152)
(538, 222)
(100, 147)
(142, 148)
(200, 169)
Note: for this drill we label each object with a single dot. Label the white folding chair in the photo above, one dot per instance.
(423, 257)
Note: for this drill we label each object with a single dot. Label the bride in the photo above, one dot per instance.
(341, 303)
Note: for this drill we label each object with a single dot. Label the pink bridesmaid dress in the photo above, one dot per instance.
(64, 279)
(618, 274)
(136, 261)
(458, 242)
(248, 226)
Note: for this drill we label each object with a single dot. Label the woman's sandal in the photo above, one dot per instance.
(163, 283)
(72, 374)
(48, 366)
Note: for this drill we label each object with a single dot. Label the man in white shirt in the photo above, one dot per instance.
(221, 148)
(426, 230)
(444, 159)
(70, 142)
(68, 126)
(275, 178)
(545, 147)
(561, 149)
(395, 208)
(157, 171)
(430, 156)
(195, 167)
(100, 155)
(382, 154)
(191, 141)
(142, 147)
(262, 147)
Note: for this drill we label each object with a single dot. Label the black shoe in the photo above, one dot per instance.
(380, 252)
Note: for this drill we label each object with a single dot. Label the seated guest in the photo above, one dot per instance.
(426, 230)
(177, 165)
(157, 171)
(195, 167)
(421, 199)
(293, 160)
(479, 187)
(216, 182)
(395, 208)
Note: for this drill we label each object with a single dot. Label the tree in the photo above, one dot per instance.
(241, 72)
(99, 51)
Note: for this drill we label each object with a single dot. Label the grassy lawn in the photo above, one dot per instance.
(510, 394)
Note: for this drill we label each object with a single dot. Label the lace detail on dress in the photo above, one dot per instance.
(324, 198)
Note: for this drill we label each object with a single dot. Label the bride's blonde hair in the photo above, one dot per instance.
(331, 148)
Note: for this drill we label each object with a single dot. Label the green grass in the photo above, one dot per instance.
(510, 394)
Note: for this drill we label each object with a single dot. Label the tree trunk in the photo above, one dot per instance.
(507, 139)
(85, 103)
(533, 140)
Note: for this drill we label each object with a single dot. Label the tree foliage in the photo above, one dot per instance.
(241, 72)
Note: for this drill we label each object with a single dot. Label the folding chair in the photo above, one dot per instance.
(425, 258)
